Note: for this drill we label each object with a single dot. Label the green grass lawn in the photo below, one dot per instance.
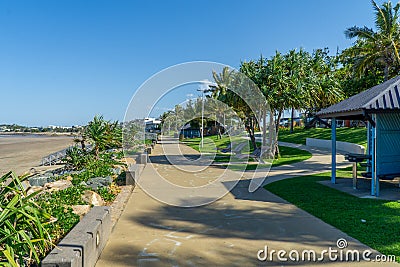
(247, 167)
(343, 211)
(288, 155)
(208, 143)
(352, 135)
(291, 155)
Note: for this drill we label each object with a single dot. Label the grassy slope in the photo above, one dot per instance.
(210, 142)
(288, 155)
(352, 135)
(291, 155)
(344, 211)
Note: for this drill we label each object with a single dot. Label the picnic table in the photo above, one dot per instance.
(356, 158)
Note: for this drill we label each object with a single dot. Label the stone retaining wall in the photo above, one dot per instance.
(82, 246)
(340, 146)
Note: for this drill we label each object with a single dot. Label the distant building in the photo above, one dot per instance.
(153, 125)
(189, 132)
(4, 129)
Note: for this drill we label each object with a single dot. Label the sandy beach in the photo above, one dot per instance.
(20, 153)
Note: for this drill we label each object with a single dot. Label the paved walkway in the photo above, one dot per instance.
(319, 162)
(227, 232)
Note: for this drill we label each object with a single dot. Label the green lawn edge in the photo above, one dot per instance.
(351, 135)
(289, 155)
(381, 230)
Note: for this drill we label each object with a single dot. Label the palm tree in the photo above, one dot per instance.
(222, 80)
(103, 134)
(297, 65)
(230, 89)
(81, 140)
(324, 86)
(95, 131)
(275, 86)
(379, 47)
(113, 135)
(179, 113)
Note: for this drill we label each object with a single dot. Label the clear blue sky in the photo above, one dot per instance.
(62, 62)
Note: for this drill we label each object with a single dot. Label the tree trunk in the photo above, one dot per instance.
(386, 72)
(277, 153)
(278, 121)
(271, 137)
(291, 120)
(97, 151)
(250, 130)
(224, 123)
(83, 145)
(219, 133)
(276, 147)
(264, 131)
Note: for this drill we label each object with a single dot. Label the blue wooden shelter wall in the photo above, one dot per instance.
(388, 143)
(369, 139)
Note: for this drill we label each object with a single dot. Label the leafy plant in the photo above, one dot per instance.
(380, 48)
(58, 203)
(76, 158)
(23, 235)
(100, 167)
(108, 194)
(103, 134)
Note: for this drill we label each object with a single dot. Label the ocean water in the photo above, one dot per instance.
(22, 135)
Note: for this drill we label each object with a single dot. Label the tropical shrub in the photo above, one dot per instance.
(23, 235)
(27, 230)
(103, 134)
(59, 204)
(108, 194)
(76, 158)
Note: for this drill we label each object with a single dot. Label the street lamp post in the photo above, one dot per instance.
(202, 119)
(204, 90)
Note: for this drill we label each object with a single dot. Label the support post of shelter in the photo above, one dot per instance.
(378, 106)
(354, 175)
(373, 161)
(369, 146)
(333, 127)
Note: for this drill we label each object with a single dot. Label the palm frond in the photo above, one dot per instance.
(360, 32)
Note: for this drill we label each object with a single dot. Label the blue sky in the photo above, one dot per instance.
(62, 62)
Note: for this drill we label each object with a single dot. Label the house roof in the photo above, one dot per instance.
(383, 97)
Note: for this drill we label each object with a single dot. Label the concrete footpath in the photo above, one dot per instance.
(228, 232)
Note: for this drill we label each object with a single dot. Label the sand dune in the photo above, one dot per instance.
(21, 153)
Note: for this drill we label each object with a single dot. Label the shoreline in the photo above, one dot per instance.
(20, 153)
(28, 134)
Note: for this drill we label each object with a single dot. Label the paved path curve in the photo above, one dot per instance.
(228, 232)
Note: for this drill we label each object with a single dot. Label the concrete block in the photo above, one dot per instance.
(63, 257)
(84, 243)
(143, 158)
(340, 146)
(40, 181)
(132, 174)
